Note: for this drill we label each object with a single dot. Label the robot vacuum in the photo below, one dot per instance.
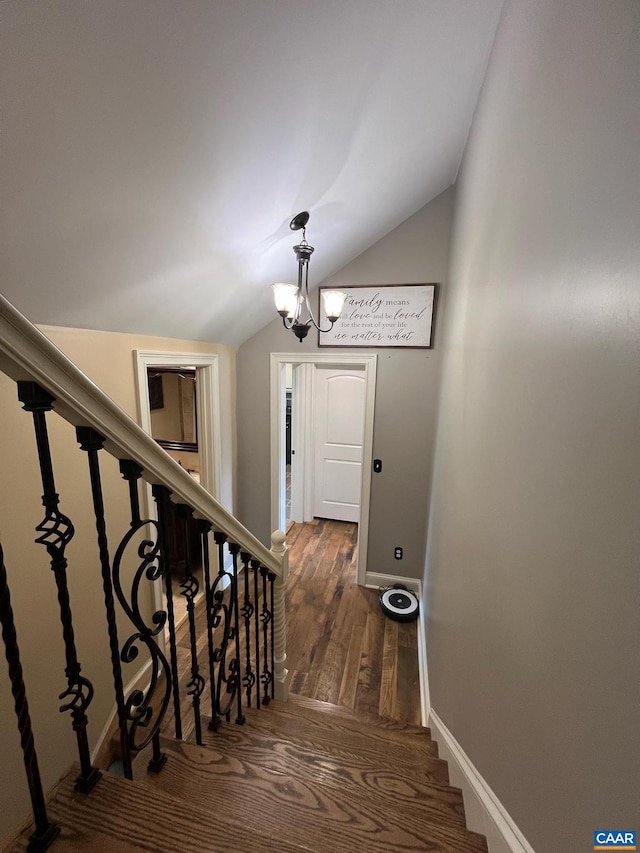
(399, 603)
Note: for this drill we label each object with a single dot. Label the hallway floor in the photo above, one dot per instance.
(340, 647)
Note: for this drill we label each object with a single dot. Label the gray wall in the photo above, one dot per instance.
(416, 251)
(533, 580)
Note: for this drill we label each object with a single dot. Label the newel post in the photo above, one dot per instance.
(281, 553)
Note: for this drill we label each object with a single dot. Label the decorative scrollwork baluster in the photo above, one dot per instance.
(205, 528)
(92, 442)
(228, 676)
(56, 531)
(190, 586)
(162, 496)
(255, 567)
(265, 618)
(143, 723)
(248, 679)
(234, 550)
(45, 832)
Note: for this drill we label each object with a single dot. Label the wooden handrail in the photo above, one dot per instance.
(27, 354)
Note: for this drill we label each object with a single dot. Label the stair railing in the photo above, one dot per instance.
(243, 585)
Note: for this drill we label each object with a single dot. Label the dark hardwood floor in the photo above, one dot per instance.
(340, 647)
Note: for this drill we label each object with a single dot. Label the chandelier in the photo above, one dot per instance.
(292, 300)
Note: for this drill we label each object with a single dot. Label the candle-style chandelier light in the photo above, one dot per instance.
(292, 300)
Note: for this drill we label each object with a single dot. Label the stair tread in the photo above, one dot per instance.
(280, 718)
(284, 760)
(131, 816)
(264, 729)
(74, 839)
(331, 819)
(296, 700)
(384, 727)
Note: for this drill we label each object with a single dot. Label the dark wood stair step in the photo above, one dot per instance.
(394, 730)
(317, 815)
(121, 816)
(263, 730)
(79, 839)
(283, 760)
(399, 745)
(352, 713)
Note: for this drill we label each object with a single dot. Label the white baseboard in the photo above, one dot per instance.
(374, 580)
(484, 811)
(423, 673)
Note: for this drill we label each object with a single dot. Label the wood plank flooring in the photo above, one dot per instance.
(301, 776)
(340, 647)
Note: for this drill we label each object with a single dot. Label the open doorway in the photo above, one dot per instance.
(211, 415)
(338, 461)
(174, 426)
(174, 421)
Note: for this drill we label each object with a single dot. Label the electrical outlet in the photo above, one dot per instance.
(397, 553)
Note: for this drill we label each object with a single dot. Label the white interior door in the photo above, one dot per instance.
(339, 430)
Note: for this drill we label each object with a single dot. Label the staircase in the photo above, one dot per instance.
(304, 776)
(260, 773)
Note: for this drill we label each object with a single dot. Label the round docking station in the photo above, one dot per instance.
(399, 603)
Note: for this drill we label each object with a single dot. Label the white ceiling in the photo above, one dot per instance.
(154, 151)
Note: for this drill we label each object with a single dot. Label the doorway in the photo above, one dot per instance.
(174, 426)
(174, 422)
(213, 414)
(337, 442)
(304, 459)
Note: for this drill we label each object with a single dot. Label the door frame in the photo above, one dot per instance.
(214, 420)
(369, 363)
(214, 423)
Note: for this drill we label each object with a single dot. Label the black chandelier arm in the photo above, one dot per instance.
(300, 329)
(320, 329)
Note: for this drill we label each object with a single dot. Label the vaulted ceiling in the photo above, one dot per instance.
(154, 151)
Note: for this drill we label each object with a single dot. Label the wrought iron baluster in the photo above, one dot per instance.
(228, 679)
(45, 832)
(205, 528)
(249, 678)
(271, 578)
(92, 442)
(265, 618)
(255, 567)
(234, 550)
(143, 724)
(189, 586)
(56, 531)
(161, 496)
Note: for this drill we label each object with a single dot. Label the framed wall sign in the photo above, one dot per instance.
(389, 315)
